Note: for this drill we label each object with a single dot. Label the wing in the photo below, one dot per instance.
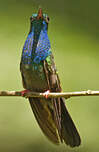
(54, 86)
(65, 125)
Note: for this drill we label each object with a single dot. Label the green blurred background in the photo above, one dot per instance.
(74, 36)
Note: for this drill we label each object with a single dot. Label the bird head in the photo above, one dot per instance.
(39, 21)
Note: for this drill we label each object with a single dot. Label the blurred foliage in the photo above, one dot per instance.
(74, 36)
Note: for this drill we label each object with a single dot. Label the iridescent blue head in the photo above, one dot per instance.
(37, 45)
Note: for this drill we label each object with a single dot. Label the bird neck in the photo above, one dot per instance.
(41, 45)
(36, 32)
(36, 47)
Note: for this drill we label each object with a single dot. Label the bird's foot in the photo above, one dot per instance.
(24, 92)
(46, 93)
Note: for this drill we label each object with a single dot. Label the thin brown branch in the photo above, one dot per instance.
(51, 95)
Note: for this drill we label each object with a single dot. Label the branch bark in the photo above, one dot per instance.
(51, 95)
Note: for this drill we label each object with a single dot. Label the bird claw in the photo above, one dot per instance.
(46, 93)
(24, 92)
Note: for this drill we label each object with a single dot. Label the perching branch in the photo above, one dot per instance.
(51, 95)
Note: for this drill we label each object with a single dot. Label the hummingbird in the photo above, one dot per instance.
(39, 74)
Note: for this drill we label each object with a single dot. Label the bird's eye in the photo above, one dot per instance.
(47, 19)
(31, 18)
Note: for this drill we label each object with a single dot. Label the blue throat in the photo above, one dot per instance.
(36, 47)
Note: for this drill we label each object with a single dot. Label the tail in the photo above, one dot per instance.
(45, 118)
(70, 134)
(55, 122)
